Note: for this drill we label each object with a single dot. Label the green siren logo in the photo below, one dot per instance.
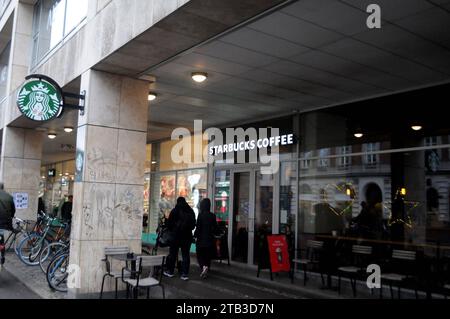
(39, 101)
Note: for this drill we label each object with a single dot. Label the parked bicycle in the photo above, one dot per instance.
(57, 272)
(20, 231)
(50, 252)
(31, 247)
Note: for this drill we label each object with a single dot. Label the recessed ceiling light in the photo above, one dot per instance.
(152, 96)
(52, 136)
(416, 127)
(154, 162)
(68, 129)
(359, 135)
(199, 77)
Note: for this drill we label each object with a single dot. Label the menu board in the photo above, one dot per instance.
(279, 253)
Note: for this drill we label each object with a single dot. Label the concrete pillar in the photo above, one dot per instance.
(19, 60)
(109, 186)
(21, 45)
(20, 168)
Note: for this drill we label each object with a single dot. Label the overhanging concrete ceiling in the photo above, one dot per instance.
(306, 55)
(194, 23)
(267, 58)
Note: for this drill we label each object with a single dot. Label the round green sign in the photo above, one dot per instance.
(39, 101)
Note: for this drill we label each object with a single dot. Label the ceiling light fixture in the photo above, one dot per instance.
(52, 136)
(152, 96)
(68, 129)
(199, 77)
(358, 133)
(416, 127)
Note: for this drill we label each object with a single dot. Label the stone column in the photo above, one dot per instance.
(20, 168)
(108, 193)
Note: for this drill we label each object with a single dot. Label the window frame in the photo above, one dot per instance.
(36, 59)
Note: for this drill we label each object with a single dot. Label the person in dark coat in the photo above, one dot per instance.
(205, 236)
(181, 222)
(66, 210)
(7, 209)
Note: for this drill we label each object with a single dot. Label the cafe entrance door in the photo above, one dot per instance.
(251, 207)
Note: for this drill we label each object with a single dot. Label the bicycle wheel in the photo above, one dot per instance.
(18, 240)
(10, 242)
(49, 253)
(30, 248)
(57, 272)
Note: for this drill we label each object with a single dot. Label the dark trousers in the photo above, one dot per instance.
(185, 253)
(204, 256)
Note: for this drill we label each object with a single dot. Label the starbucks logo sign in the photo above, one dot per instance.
(40, 101)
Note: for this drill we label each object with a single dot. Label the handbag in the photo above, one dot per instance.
(166, 238)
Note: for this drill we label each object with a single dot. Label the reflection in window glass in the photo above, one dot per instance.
(76, 12)
(387, 190)
(288, 201)
(55, 22)
(371, 159)
(324, 160)
(344, 161)
(52, 21)
(4, 59)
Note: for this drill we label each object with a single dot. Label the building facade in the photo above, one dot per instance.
(363, 104)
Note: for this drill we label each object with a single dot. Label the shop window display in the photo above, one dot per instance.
(394, 190)
(192, 186)
(222, 196)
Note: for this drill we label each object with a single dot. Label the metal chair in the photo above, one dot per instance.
(313, 252)
(109, 253)
(137, 281)
(360, 256)
(406, 260)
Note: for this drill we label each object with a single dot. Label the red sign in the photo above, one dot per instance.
(279, 254)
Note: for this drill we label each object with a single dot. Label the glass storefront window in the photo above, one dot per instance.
(162, 198)
(222, 188)
(387, 189)
(288, 201)
(55, 189)
(263, 211)
(192, 186)
(166, 187)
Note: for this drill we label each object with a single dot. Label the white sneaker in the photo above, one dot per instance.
(204, 272)
(184, 277)
(168, 274)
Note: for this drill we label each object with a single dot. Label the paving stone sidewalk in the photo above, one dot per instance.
(32, 277)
